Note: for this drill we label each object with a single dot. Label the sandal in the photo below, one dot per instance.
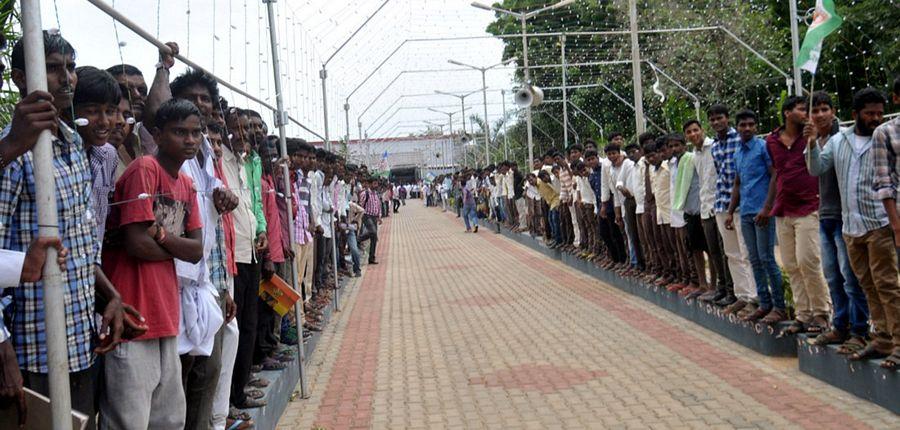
(232, 424)
(852, 346)
(237, 414)
(254, 394)
(867, 353)
(892, 362)
(818, 325)
(258, 383)
(829, 337)
(795, 327)
(270, 364)
(252, 404)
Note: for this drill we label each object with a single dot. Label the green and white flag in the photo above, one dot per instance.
(825, 21)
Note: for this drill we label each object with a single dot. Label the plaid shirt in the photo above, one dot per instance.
(371, 202)
(302, 236)
(104, 160)
(887, 166)
(18, 226)
(218, 264)
(723, 158)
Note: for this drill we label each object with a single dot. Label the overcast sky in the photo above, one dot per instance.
(230, 38)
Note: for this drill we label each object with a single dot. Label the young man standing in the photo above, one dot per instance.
(725, 143)
(551, 197)
(796, 199)
(660, 183)
(371, 202)
(753, 183)
(722, 288)
(647, 209)
(143, 376)
(629, 184)
(686, 198)
(867, 230)
(611, 207)
(850, 321)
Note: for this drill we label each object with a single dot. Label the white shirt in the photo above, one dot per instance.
(201, 316)
(677, 220)
(637, 186)
(706, 170)
(11, 263)
(244, 220)
(585, 192)
(615, 180)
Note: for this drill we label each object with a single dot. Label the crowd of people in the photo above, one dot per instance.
(702, 216)
(172, 209)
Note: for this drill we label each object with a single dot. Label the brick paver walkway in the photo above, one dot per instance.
(456, 330)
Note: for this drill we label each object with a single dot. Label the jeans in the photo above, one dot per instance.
(470, 216)
(354, 249)
(850, 307)
(371, 224)
(760, 242)
(554, 226)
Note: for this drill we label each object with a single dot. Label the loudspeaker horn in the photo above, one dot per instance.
(529, 96)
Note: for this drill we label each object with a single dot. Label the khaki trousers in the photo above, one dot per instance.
(874, 261)
(304, 260)
(799, 243)
(738, 261)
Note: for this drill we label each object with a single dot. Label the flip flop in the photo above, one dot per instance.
(231, 424)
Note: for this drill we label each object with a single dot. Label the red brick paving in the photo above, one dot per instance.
(792, 403)
(347, 402)
(543, 378)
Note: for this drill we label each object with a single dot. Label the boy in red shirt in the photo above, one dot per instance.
(154, 220)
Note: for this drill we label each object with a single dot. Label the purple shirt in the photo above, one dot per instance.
(796, 191)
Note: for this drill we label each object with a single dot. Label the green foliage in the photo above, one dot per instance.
(709, 63)
(8, 95)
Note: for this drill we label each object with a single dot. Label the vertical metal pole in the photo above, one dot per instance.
(450, 142)
(527, 82)
(48, 226)
(347, 120)
(487, 125)
(635, 69)
(565, 102)
(505, 127)
(795, 48)
(323, 74)
(281, 117)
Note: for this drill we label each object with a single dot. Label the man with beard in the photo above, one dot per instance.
(870, 241)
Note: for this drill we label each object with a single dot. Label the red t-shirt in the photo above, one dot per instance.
(150, 286)
(796, 191)
(273, 219)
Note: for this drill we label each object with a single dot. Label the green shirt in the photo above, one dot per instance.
(253, 167)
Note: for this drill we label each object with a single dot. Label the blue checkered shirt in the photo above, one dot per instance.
(723, 158)
(18, 226)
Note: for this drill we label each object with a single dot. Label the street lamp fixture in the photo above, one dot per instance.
(523, 17)
(487, 127)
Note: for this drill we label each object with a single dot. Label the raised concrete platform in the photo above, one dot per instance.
(865, 379)
(758, 337)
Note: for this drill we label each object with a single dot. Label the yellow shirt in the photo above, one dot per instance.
(548, 194)
(660, 183)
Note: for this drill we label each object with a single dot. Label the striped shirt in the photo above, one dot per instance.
(723, 158)
(18, 227)
(861, 209)
(887, 164)
(302, 236)
(371, 202)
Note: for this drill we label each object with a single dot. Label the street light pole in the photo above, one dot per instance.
(523, 17)
(562, 44)
(636, 69)
(795, 48)
(505, 128)
(323, 74)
